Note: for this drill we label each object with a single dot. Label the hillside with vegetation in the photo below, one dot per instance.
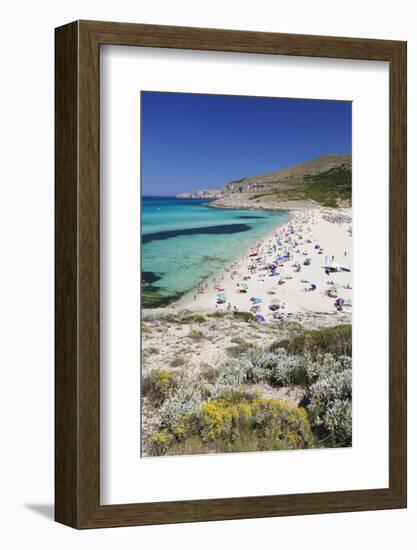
(329, 188)
(324, 181)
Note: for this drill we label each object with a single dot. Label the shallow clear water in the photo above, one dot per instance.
(184, 243)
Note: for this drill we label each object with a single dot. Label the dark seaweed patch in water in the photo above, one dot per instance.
(213, 259)
(149, 277)
(213, 230)
(149, 302)
(154, 297)
(250, 217)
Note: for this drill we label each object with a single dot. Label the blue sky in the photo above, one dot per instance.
(192, 141)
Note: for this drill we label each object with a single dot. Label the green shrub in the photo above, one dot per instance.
(238, 340)
(160, 442)
(255, 423)
(330, 203)
(162, 382)
(232, 375)
(150, 351)
(244, 316)
(178, 362)
(184, 317)
(236, 421)
(300, 375)
(338, 421)
(330, 406)
(170, 318)
(218, 314)
(335, 340)
(210, 373)
(237, 351)
(196, 335)
(179, 407)
(194, 319)
(275, 368)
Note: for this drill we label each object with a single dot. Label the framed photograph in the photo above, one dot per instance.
(230, 274)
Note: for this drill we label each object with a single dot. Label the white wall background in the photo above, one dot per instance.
(26, 274)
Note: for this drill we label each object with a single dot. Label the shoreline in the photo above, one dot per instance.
(289, 291)
(286, 206)
(175, 305)
(187, 298)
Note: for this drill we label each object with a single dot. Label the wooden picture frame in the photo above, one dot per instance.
(77, 403)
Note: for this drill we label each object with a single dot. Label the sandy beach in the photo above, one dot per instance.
(286, 270)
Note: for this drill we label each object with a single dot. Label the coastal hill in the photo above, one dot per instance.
(325, 180)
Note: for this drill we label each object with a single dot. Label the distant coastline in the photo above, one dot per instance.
(324, 181)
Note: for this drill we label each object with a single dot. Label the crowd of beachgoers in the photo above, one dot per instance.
(304, 265)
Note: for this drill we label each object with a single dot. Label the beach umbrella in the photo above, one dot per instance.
(313, 286)
(256, 301)
(260, 318)
(222, 297)
(335, 286)
(317, 247)
(244, 286)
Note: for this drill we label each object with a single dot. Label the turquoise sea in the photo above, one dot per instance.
(184, 242)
